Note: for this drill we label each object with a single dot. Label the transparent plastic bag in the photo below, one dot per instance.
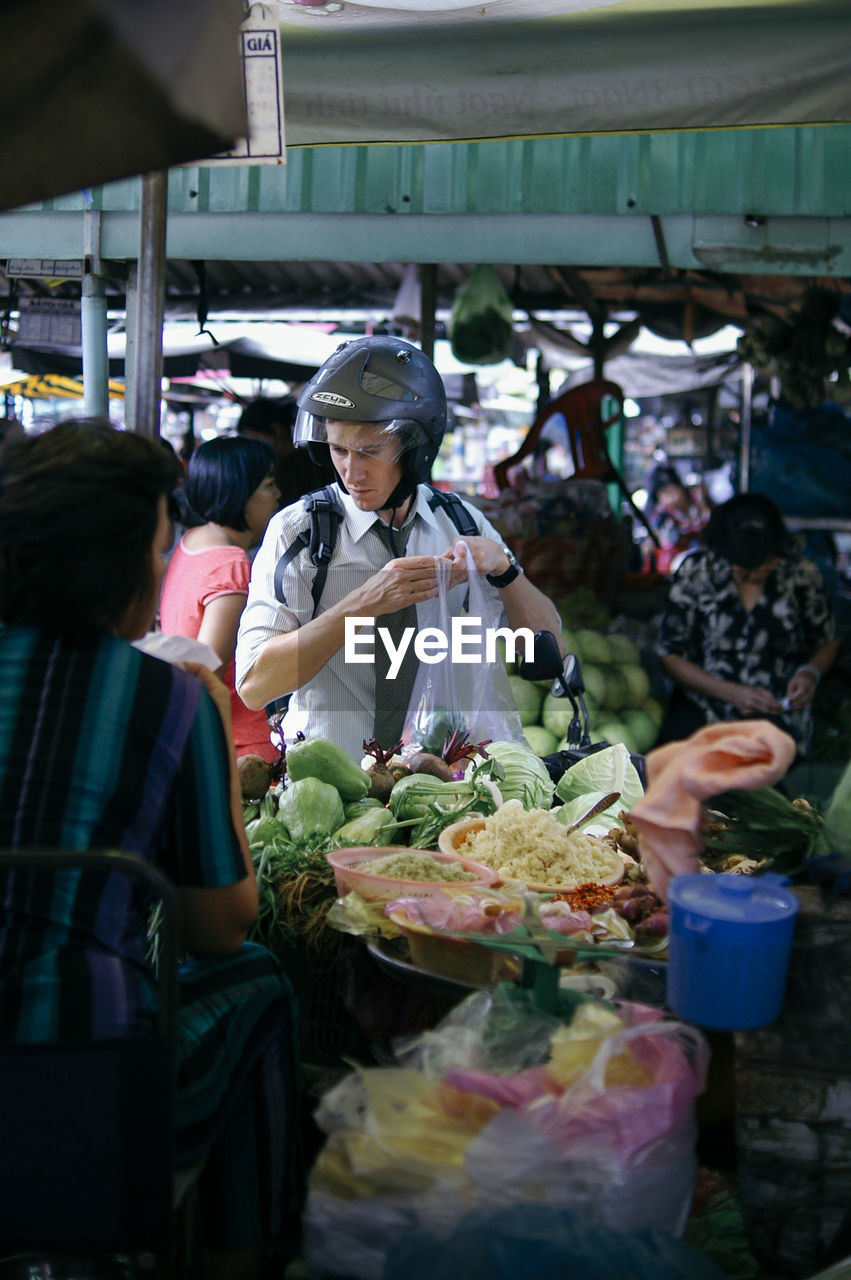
(505, 1105)
(463, 692)
(534, 1242)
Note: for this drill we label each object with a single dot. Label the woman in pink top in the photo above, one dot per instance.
(230, 485)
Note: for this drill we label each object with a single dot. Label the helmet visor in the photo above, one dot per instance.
(384, 440)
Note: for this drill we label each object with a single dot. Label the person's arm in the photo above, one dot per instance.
(220, 624)
(746, 698)
(803, 684)
(215, 921)
(286, 662)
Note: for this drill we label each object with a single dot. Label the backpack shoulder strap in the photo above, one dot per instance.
(455, 509)
(320, 538)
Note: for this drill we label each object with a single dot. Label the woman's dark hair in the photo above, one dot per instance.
(747, 530)
(78, 514)
(222, 475)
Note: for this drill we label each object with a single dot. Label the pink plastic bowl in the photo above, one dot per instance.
(351, 872)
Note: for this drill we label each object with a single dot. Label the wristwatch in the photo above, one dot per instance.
(508, 575)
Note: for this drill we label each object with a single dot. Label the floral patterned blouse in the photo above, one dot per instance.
(706, 623)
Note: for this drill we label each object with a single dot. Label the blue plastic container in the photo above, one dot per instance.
(729, 945)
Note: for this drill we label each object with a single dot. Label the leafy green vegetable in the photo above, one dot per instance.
(542, 742)
(355, 808)
(442, 813)
(295, 888)
(436, 727)
(412, 795)
(372, 827)
(594, 777)
(309, 808)
(528, 698)
(764, 824)
(432, 805)
(525, 777)
(264, 831)
(837, 817)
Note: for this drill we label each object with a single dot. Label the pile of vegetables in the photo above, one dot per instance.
(327, 801)
(322, 805)
(617, 696)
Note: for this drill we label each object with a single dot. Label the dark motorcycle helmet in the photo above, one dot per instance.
(382, 381)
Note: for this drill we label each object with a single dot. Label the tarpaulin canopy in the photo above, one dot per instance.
(641, 363)
(443, 70)
(241, 358)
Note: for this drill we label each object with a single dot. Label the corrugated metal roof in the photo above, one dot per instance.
(792, 172)
(734, 222)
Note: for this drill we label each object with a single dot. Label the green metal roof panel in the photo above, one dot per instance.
(803, 172)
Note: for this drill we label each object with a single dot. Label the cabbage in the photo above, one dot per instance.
(542, 742)
(556, 715)
(593, 646)
(643, 728)
(528, 698)
(526, 776)
(637, 682)
(617, 689)
(263, 831)
(591, 779)
(654, 709)
(612, 730)
(432, 730)
(623, 648)
(595, 682)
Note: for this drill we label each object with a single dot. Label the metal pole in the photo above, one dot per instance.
(150, 305)
(131, 307)
(745, 434)
(428, 302)
(93, 322)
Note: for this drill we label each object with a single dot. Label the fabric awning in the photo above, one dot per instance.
(449, 70)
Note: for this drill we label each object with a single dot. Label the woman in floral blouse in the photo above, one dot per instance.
(748, 629)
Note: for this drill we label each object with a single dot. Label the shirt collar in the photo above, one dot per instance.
(360, 522)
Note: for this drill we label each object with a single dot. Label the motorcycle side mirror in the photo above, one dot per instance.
(546, 662)
(566, 675)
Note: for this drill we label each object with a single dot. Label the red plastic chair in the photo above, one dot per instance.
(586, 429)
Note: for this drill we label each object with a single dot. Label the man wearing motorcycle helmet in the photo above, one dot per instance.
(376, 410)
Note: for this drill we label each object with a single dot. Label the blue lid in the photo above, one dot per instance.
(745, 899)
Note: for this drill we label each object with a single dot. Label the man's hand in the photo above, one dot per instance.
(487, 555)
(399, 583)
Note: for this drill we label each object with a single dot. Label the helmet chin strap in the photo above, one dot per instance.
(400, 494)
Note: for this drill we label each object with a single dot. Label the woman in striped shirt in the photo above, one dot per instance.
(104, 746)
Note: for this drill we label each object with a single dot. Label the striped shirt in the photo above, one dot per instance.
(101, 746)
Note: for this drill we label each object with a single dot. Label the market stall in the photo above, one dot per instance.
(502, 878)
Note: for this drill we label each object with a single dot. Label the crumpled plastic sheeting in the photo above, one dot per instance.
(599, 1120)
(533, 1242)
(681, 776)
